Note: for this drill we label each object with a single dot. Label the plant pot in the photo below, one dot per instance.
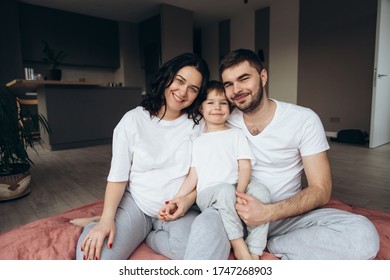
(54, 74)
(14, 181)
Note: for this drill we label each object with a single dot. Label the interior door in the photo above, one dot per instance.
(380, 110)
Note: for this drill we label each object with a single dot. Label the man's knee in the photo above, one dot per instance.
(367, 238)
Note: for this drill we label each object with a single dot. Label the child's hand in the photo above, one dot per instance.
(240, 200)
(167, 210)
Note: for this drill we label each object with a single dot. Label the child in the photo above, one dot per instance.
(221, 165)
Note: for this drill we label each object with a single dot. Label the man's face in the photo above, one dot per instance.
(243, 86)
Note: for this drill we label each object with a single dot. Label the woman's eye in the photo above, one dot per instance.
(193, 90)
(179, 81)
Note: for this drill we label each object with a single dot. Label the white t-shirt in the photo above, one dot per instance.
(153, 155)
(294, 132)
(215, 157)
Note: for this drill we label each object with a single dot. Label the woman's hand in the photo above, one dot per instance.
(170, 208)
(93, 242)
(182, 203)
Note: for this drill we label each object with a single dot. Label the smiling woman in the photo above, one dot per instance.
(181, 93)
(146, 172)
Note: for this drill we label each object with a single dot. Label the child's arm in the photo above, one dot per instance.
(189, 183)
(244, 174)
(186, 188)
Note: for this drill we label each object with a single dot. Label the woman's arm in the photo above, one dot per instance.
(93, 242)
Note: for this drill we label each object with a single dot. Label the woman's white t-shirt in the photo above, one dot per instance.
(154, 155)
(293, 133)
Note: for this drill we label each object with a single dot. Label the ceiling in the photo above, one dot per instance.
(205, 11)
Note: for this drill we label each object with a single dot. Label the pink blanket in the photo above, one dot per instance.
(55, 239)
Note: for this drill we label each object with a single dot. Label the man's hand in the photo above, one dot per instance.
(252, 211)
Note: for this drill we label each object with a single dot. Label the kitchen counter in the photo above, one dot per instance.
(80, 114)
(19, 83)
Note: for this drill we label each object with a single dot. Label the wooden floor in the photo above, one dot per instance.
(62, 180)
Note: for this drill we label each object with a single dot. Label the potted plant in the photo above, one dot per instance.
(16, 135)
(54, 59)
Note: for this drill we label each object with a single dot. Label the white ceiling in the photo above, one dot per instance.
(205, 11)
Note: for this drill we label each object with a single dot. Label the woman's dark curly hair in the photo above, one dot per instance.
(154, 100)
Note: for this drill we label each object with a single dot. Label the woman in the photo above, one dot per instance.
(151, 157)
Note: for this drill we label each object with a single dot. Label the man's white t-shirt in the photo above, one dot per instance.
(215, 157)
(154, 155)
(294, 132)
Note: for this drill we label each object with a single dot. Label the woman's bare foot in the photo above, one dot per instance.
(83, 222)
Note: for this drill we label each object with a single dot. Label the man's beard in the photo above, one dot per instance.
(255, 102)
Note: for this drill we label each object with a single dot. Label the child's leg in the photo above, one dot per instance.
(83, 222)
(257, 236)
(223, 198)
(240, 249)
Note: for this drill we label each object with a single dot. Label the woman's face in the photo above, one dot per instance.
(182, 92)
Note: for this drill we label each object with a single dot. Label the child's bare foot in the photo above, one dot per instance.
(83, 222)
(240, 249)
(255, 257)
(242, 255)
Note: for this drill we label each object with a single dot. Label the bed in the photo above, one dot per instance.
(54, 238)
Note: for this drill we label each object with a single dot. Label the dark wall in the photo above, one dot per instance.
(336, 61)
(262, 18)
(11, 66)
(224, 38)
(89, 41)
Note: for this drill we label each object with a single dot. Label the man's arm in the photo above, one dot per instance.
(316, 194)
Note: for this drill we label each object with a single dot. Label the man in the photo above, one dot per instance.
(288, 140)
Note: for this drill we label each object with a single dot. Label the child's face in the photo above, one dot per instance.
(216, 108)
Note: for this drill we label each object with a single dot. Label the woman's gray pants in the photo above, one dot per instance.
(167, 238)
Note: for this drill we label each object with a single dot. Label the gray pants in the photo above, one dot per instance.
(319, 234)
(167, 238)
(325, 234)
(223, 198)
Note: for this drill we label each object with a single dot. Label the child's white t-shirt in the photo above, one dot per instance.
(153, 155)
(215, 157)
(293, 133)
